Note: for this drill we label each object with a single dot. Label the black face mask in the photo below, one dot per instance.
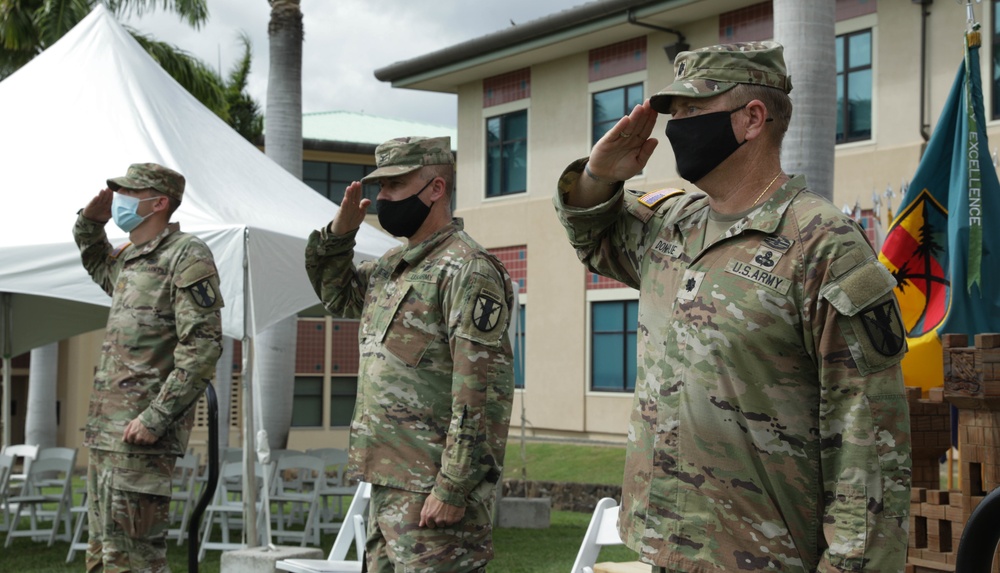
(702, 142)
(402, 218)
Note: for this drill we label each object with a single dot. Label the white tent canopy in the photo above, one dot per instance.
(84, 110)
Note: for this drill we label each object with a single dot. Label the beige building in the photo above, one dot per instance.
(533, 97)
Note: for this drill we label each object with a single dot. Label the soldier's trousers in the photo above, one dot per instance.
(396, 544)
(128, 499)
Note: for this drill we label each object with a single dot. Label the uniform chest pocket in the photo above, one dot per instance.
(407, 327)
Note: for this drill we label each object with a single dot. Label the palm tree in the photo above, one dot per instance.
(275, 347)
(806, 29)
(28, 27)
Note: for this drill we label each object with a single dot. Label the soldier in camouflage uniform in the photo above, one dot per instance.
(162, 342)
(770, 431)
(435, 381)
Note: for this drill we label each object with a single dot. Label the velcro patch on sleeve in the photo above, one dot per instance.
(654, 198)
(119, 250)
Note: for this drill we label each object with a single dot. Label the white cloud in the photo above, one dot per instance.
(345, 42)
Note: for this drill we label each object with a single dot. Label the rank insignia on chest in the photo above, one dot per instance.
(203, 293)
(690, 284)
(884, 328)
(486, 312)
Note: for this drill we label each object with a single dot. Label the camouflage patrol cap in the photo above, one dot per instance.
(710, 71)
(150, 176)
(407, 154)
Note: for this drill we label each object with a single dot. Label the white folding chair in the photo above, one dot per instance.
(352, 531)
(6, 468)
(332, 487)
(41, 489)
(291, 485)
(26, 453)
(227, 507)
(183, 496)
(602, 531)
(79, 541)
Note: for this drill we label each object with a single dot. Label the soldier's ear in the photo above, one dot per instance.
(438, 189)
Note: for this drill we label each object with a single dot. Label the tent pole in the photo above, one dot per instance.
(5, 330)
(249, 447)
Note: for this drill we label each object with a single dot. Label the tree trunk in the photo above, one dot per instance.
(40, 426)
(275, 347)
(806, 29)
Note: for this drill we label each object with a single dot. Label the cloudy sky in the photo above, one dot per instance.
(346, 41)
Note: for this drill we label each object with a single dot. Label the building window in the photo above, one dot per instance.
(854, 86)
(507, 154)
(610, 106)
(519, 349)
(343, 392)
(307, 403)
(612, 345)
(331, 179)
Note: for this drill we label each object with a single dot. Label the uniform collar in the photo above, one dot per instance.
(416, 253)
(155, 242)
(764, 218)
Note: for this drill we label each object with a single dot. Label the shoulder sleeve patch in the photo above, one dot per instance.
(119, 250)
(201, 281)
(485, 315)
(869, 314)
(654, 198)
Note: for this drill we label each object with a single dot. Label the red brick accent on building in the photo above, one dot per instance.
(516, 260)
(617, 59)
(310, 345)
(596, 282)
(756, 23)
(507, 87)
(750, 24)
(344, 354)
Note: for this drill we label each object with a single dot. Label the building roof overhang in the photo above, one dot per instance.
(545, 39)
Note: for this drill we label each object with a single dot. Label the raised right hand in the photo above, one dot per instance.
(626, 147)
(99, 208)
(352, 210)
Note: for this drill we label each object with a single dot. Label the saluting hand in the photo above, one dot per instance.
(626, 147)
(352, 210)
(99, 208)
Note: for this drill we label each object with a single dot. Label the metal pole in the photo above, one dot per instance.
(213, 478)
(5, 329)
(249, 456)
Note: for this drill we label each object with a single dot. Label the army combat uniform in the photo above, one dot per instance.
(770, 431)
(162, 342)
(435, 387)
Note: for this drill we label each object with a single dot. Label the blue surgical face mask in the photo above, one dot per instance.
(124, 211)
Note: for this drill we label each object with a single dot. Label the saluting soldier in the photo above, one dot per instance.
(435, 381)
(770, 429)
(162, 342)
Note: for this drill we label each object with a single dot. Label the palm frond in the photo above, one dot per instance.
(194, 12)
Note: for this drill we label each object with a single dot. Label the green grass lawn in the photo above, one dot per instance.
(549, 550)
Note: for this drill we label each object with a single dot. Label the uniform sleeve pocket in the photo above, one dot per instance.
(847, 527)
(892, 428)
